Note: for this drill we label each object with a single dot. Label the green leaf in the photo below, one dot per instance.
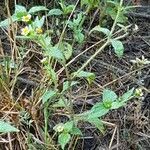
(37, 9)
(66, 49)
(47, 41)
(117, 104)
(112, 11)
(38, 23)
(77, 21)
(56, 53)
(20, 11)
(19, 8)
(48, 95)
(98, 124)
(63, 139)
(76, 131)
(126, 96)
(68, 9)
(118, 47)
(23, 37)
(88, 75)
(100, 29)
(7, 21)
(68, 126)
(123, 99)
(61, 103)
(91, 3)
(109, 95)
(55, 12)
(79, 36)
(98, 110)
(6, 127)
(66, 85)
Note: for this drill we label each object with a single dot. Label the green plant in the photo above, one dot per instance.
(58, 54)
(77, 29)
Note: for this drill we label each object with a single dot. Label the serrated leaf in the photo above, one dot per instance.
(6, 127)
(118, 47)
(48, 95)
(7, 21)
(63, 139)
(37, 9)
(100, 29)
(66, 49)
(109, 95)
(98, 110)
(56, 53)
(19, 8)
(55, 12)
(38, 23)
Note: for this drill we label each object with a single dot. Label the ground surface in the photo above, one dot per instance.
(132, 121)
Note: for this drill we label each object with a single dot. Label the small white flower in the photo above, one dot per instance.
(26, 18)
(136, 28)
(142, 61)
(25, 31)
(138, 92)
(39, 30)
(59, 127)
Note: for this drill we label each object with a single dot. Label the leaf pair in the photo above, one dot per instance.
(117, 45)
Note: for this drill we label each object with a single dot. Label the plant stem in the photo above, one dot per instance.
(62, 34)
(104, 45)
(116, 19)
(92, 57)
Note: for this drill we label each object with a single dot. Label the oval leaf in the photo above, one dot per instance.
(47, 96)
(100, 29)
(88, 75)
(37, 9)
(63, 139)
(118, 47)
(55, 12)
(109, 95)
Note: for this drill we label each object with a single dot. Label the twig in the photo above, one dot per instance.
(138, 15)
